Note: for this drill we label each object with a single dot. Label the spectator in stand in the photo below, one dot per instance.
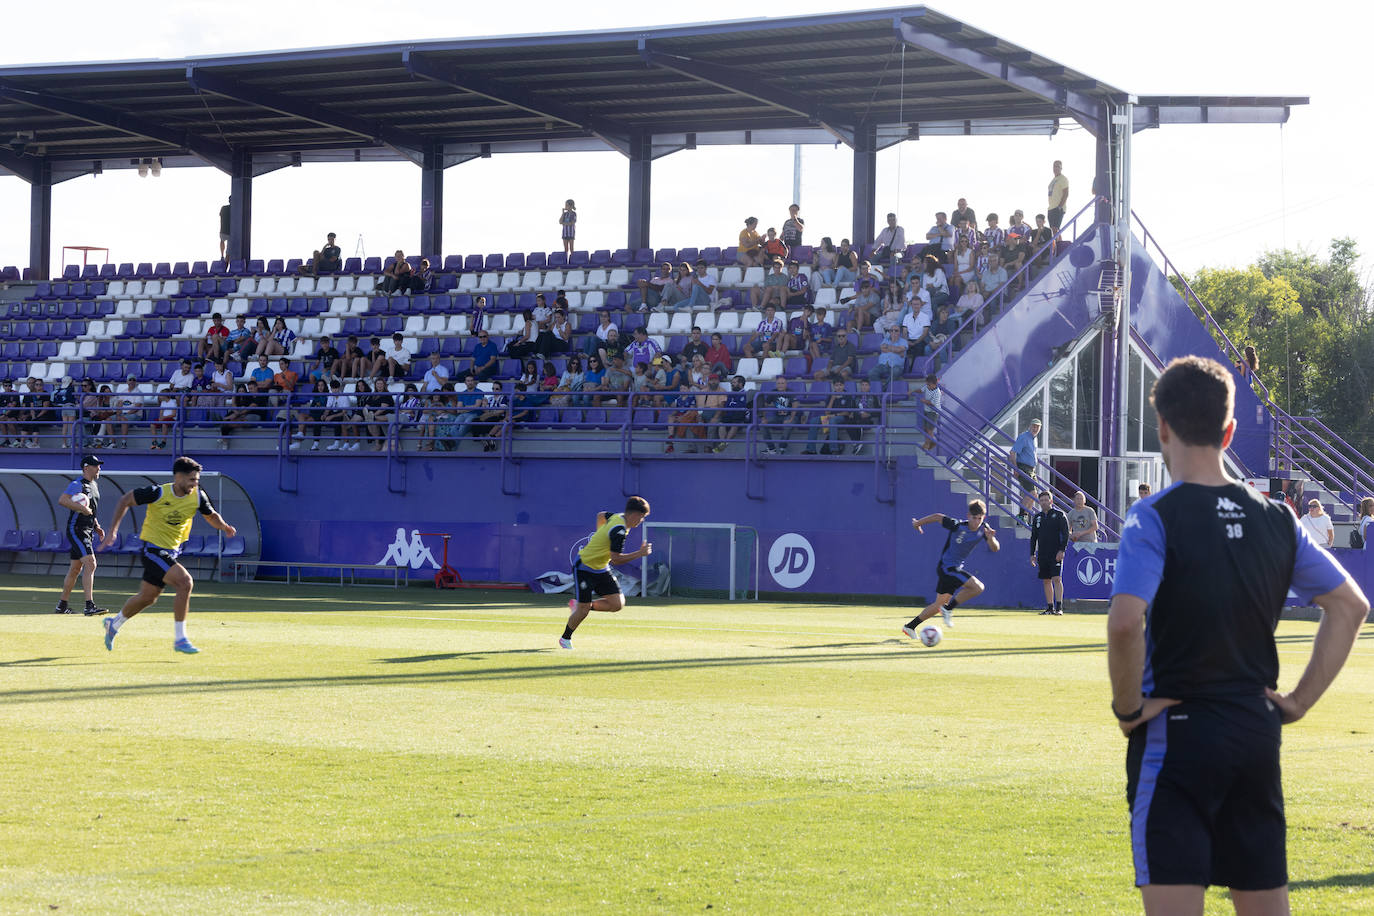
(679, 292)
(356, 363)
(41, 415)
(181, 378)
(657, 373)
(166, 418)
(796, 335)
(1040, 239)
(868, 305)
(895, 304)
(543, 324)
(522, 344)
(939, 239)
(1058, 196)
(283, 339)
(568, 383)
(995, 277)
(700, 372)
(591, 381)
(376, 409)
(335, 414)
(934, 282)
(963, 212)
(819, 335)
(944, 327)
(891, 359)
(128, 403)
(967, 231)
(437, 375)
(734, 414)
(994, 235)
(773, 247)
(773, 290)
(262, 372)
(844, 359)
(778, 413)
(712, 404)
(422, 280)
(867, 409)
(560, 333)
(890, 244)
(824, 261)
(239, 340)
(1366, 510)
(224, 218)
(328, 259)
(486, 359)
(930, 400)
(793, 227)
(397, 357)
(326, 361)
(847, 265)
(969, 302)
(10, 415)
(798, 286)
(1024, 459)
(685, 420)
(651, 289)
(530, 373)
(1318, 524)
(680, 373)
(222, 384)
(64, 396)
(825, 423)
(603, 333)
(695, 346)
(702, 286)
(611, 348)
(718, 358)
(1248, 364)
(916, 331)
(200, 388)
(567, 225)
(396, 276)
(750, 252)
(1016, 248)
(285, 379)
(216, 339)
(642, 350)
(99, 407)
(262, 340)
(548, 380)
(308, 415)
(618, 380)
(1082, 520)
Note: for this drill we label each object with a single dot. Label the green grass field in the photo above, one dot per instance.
(367, 751)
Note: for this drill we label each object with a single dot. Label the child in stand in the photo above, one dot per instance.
(166, 416)
(568, 220)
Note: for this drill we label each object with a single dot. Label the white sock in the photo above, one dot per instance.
(181, 629)
(118, 621)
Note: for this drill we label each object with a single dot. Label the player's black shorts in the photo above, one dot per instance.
(82, 541)
(1206, 800)
(949, 581)
(1048, 567)
(156, 561)
(590, 584)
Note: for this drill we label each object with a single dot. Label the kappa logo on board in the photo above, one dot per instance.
(412, 553)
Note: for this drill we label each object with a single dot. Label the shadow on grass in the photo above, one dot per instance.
(1365, 879)
(477, 675)
(450, 656)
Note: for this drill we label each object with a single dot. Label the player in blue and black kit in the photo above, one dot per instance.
(83, 530)
(953, 583)
(1203, 571)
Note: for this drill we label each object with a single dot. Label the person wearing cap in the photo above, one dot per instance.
(1024, 458)
(83, 530)
(1318, 524)
(750, 253)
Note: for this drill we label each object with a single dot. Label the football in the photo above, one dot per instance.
(931, 634)
(81, 499)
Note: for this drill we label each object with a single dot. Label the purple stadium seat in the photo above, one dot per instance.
(420, 303)
(318, 305)
(143, 349)
(181, 269)
(580, 259)
(472, 262)
(687, 254)
(67, 309)
(536, 260)
(71, 272)
(453, 263)
(494, 262)
(515, 260)
(293, 266)
(643, 257)
(52, 542)
(162, 308)
(233, 547)
(371, 326)
(665, 254)
(76, 328)
(42, 289)
(200, 269)
(351, 326)
(90, 272)
(194, 546)
(219, 269)
(504, 302)
(87, 309)
(224, 286)
(162, 270)
(615, 299)
(162, 349)
(144, 270)
(451, 346)
(372, 266)
(30, 539)
(353, 266)
(104, 349)
(253, 268)
(257, 306)
(13, 540)
(278, 305)
(96, 288)
(728, 256)
(393, 323)
(601, 257)
(462, 303)
(125, 271)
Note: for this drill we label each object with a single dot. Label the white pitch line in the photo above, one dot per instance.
(619, 623)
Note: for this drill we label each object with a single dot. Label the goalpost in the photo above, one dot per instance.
(701, 559)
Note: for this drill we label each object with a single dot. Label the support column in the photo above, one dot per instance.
(865, 184)
(1102, 182)
(641, 190)
(240, 207)
(40, 223)
(432, 203)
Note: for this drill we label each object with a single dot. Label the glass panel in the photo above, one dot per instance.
(1133, 403)
(1034, 409)
(1089, 418)
(1150, 434)
(1060, 420)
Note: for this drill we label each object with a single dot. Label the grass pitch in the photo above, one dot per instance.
(366, 751)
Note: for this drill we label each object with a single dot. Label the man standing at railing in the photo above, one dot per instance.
(930, 409)
(1024, 458)
(1082, 520)
(1059, 196)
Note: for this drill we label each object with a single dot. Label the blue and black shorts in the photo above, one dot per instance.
(590, 584)
(82, 541)
(1206, 800)
(156, 561)
(948, 581)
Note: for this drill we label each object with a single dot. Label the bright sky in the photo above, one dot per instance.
(1216, 195)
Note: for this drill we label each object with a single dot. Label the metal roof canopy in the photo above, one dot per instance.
(868, 79)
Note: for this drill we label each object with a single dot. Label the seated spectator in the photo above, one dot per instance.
(549, 376)
(970, 302)
(1040, 239)
(491, 421)
(328, 259)
(262, 339)
(916, 330)
(844, 359)
(868, 306)
(618, 379)
(750, 252)
(486, 359)
(798, 287)
(309, 415)
(374, 360)
(10, 415)
(967, 229)
(867, 410)
(718, 358)
(128, 403)
(702, 286)
(610, 348)
(734, 414)
(337, 411)
(200, 388)
(642, 350)
(252, 407)
(890, 243)
(283, 339)
(965, 271)
(895, 304)
(523, 343)
(558, 338)
(285, 378)
(767, 335)
(995, 277)
(375, 407)
(41, 415)
(939, 239)
(181, 378)
(651, 289)
(437, 375)
(685, 420)
(354, 363)
(411, 415)
(824, 259)
(700, 373)
(262, 372)
(529, 374)
(680, 373)
(963, 213)
(591, 382)
(167, 407)
(847, 265)
(397, 357)
(603, 332)
(396, 276)
(239, 341)
(773, 247)
(64, 398)
(222, 384)
(444, 413)
(327, 361)
(994, 235)
(712, 403)
(891, 359)
(778, 413)
(99, 412)
(794, 336)
(422, 280)
(695, 346)
(657, 374)
(216, 340)
(819, 335)
(679, 292)
(933, 280)
(826, 422)
(570, 381)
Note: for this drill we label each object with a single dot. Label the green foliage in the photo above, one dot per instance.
(1309, 320)
(354, 751)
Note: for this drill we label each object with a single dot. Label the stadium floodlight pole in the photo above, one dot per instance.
(1123, 125)
(796, 173)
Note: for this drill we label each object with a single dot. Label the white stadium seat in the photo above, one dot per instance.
(310, 327)
(619, 277)
(344, 285)
(731, 277)
(365, 284)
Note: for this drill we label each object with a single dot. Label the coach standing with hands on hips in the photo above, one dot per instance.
(1206, 565)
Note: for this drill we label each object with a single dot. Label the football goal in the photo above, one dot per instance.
(701, 560)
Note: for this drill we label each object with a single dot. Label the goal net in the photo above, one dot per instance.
(701, 560)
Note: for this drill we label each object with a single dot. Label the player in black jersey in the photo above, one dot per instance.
(1203, 572)
(82, 498)
(1048, 541)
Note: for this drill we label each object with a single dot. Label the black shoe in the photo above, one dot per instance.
(1047, 612)
(62, 608)
(1059, 612)
(93, 611)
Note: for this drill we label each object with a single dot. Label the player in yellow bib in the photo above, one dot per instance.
(172, 507)
(593, 584)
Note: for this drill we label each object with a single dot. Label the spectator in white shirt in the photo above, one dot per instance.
(182, 378)
(397, 357)
(891, 242)
(436, 376)
(1318, 524)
